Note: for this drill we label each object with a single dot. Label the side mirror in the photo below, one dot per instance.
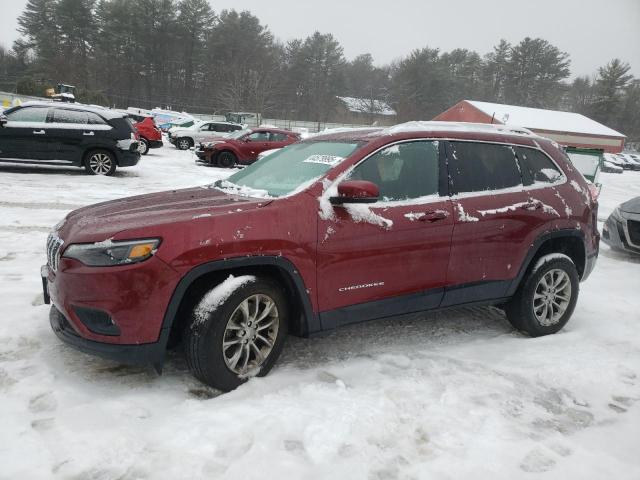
(3, 120)
(356, 191)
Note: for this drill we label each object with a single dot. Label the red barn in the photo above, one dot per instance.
(566, 128)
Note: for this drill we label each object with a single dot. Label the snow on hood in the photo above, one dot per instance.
(631, 206)
(105, 220)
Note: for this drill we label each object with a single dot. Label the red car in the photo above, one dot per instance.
(244, 146)
(337, 229)
(150, 134)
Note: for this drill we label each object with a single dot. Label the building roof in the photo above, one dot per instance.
(540, 119)
(366, 105)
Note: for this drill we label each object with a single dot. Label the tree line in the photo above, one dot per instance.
(184, 55)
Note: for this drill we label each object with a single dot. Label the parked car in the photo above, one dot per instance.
(621, 231)
(185, 138)
(613, 158)
(182, 123)
(632, 163)
(627, 163)
(149, 134)
(334, 230)
(611, 167)
(52, 133)
(244, 146)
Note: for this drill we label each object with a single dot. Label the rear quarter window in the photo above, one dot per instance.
(478, 167)
(536, 167)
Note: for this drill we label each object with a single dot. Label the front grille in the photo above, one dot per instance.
(634, 231)
(54, 243)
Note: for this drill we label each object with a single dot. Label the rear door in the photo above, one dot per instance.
(388, 257)
(73, 131)
(491, 225)
(25, 135)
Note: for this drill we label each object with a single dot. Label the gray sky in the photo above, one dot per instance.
(591, 31)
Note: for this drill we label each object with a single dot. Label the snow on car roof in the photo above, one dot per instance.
(540, 119)
(102, 111)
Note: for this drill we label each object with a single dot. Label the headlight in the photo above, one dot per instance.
(617, 214)
(109, 253)
(211, 144)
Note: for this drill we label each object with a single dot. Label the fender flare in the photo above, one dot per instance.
(310, 322)
(535, 248)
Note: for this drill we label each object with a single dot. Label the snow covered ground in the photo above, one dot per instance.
(447, 395)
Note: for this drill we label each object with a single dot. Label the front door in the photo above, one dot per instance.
(25, 135)
(254, 144)
(389, 257)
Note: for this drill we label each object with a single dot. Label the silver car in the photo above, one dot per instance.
(621, 231)
(185, 138)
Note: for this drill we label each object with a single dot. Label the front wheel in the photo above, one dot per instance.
(100, 162)
(547, 296)
(237, 331)
(184, 143)
(226, 159)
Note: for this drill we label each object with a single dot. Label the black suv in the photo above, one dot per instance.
(48, 133)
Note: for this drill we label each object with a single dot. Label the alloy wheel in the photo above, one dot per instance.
(100, 163)
(552, 297)
(250, 334)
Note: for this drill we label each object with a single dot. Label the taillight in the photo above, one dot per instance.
(135, 136)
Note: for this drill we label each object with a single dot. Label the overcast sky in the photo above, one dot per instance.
(591, 31)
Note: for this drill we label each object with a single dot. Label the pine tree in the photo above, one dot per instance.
(611, 82)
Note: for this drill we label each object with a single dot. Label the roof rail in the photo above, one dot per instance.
(459, 126)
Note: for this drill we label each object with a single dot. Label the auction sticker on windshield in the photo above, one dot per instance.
(324, 159)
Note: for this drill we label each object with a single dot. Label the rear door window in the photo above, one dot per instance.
(70, 116)
(536, 167)
(478, 167)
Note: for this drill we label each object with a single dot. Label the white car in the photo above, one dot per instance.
(185, 138)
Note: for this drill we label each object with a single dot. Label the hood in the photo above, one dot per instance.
(631, 206)
(106, 220)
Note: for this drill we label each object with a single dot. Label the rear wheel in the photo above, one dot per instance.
(143, 146)
(226, 159)
(232, 339)
(184, 143)
(100, 162)
(546, 297)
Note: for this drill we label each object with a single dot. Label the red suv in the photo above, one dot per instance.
(244, 146)
(337, 229)
(150, 134)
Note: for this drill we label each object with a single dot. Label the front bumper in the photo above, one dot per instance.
(615, 233)
(146, 354)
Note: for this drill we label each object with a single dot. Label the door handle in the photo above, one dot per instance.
(39, 132)
(88, 134)
(433, 216)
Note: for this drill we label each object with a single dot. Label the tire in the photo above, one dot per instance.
(143, 146)
(100, 162)
(184, 143)
(226, 159)
(210, 361)
(546, 298)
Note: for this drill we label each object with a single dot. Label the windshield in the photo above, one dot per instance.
(288, 169)
(238, 133)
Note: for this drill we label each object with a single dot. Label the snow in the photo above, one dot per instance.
(464, 216)
(217, 296)
(435, 126)
(548, 258)
(539, 119)
(451, 395)
(362, 213)
(366, 105)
